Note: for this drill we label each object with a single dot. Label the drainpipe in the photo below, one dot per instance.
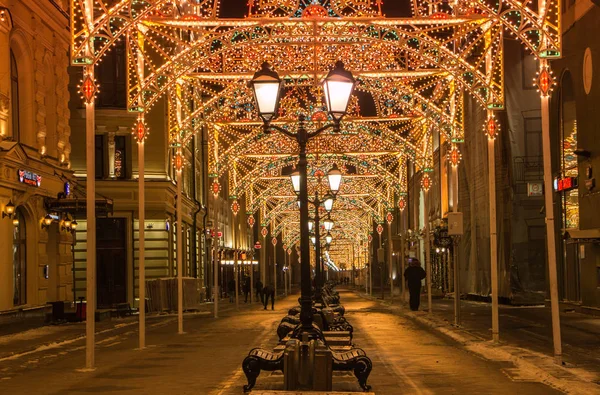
(198, 208)
(207, 254)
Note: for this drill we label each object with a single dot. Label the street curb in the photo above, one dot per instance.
(533, 365)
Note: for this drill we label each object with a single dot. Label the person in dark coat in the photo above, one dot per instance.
(269, 291)
(231, 289)
(259, 291)
(413, 275)
(246, 288)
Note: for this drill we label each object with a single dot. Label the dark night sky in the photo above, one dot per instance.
(238, 8)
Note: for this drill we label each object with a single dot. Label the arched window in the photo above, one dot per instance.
(19, 259)
(568, 159)
(14, 92)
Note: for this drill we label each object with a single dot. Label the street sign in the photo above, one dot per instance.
(534, 189)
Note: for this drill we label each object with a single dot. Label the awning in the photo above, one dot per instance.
(582, 234)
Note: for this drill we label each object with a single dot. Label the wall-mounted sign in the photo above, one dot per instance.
(565, 184)
(534, 189)
(29, 178)
(67, 189)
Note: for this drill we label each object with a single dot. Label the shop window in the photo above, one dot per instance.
(19, 259)
(120, 161)
(568, 159)
(14, 91)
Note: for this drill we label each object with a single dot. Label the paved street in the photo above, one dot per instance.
(408, 357)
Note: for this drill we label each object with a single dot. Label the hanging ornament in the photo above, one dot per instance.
(379, 229)
(289, 251)
(140, 130)
(402, 203)
(370, 238)
(88, 89)
(215, 188)
(235, 207)
(544, 81)
(251, 220)
(454, 156)
(284, 246)
(426, 182)
(389, 217)
(274, 241)
(264, 232)
(491, 127)
(178, 161)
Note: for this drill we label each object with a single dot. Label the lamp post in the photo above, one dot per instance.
(337, 87)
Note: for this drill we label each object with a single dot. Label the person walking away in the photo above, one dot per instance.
(246, 288)
(269, 291)
(259, 291)
(413, 275)
(231, 290)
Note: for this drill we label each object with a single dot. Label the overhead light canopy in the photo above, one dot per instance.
(338, 87)
(334, 176)
(266, 86)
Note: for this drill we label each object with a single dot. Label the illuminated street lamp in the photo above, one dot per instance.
(328, 224)
(338, 87)
(328, 238)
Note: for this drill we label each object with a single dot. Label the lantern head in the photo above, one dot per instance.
(338, 87)
(266, 86)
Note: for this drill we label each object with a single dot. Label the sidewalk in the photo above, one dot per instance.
(32, 339)
(526, 339)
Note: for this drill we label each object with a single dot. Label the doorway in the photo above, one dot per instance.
(111, 261)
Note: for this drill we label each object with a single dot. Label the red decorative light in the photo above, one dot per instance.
(454, 156)
(319, 116)
(251, 220)
(178, 162)
(379, 229)
(492, 127)
(88, 89)
(264, 232)
(215, 188)
(235, 207)
(314, 11)
(257, 245)
(402, 204)
(274, 241)
(544, 81)
(370, 238)
(389, 218)
(426, 182)
(140, 129)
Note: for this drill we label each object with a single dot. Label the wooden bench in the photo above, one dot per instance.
(354, 360)
(259, 359)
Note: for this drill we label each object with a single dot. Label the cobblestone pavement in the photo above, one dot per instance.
(408, 358)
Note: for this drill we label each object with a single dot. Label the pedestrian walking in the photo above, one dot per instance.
(231, 290)
(269, 291)
(259, 291)
(246, 288)
(413, 275)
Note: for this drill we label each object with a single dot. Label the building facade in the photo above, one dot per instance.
(35, 149)
(576, 156)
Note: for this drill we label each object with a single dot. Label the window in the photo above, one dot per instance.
(568, 159)
(533, 136)
(14, 91)
(111, 75)
(19, 259)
